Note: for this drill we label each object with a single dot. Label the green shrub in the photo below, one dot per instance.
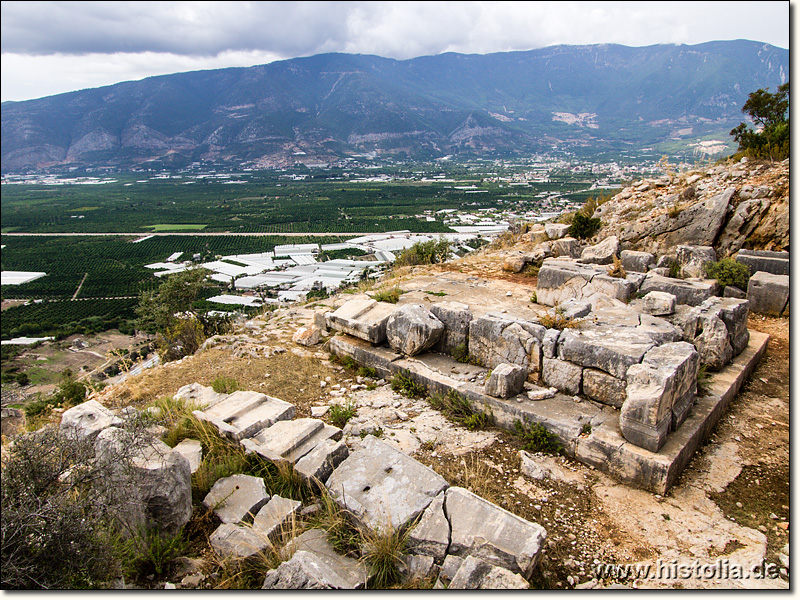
(536, 438)
(728, 272)
(424, 253)
(224, 385)
(583, 227)
(403, 383)
(460, 409)
(390, 295)
(341, 413)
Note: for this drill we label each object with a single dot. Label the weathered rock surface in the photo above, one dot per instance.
(769, 294)
(686, 291)
(636, 261)
(602, 253)
(274, 515)
(456, 318)
(240, 542)
(309, 335)
(506, 381)
(237, 498)
(692, 259)
(290, 441)
(659, 303)
(362, 318)
(319, 463)
(382, 487)
(560, 280)
(88, 419)
(475, 574)
(431, 536)
(497, 339)
(192, 450)
(199, 395)
(412, 329)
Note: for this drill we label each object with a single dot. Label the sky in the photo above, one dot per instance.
(54, 47)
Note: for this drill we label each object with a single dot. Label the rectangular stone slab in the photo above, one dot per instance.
(290, 440)
(362, 318)
(242, 414)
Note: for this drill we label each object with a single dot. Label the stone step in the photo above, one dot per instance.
(289, 441)
(242, 414)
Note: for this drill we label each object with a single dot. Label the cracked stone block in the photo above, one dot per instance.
(237, 498)
(475, 574)
(556, 231)
(320, 462)
(567, 247)
(602, 253)
(274, 515)
(560, 280)
(363, 318)
(310, 335)
(768, 294)
(608, 348)
(506, 381)
(431, 536)
(692, 259)
(238, 541)
(496, 339)
(88, 419)
(638, 262)
(242, 413)
(413, 329)
(604, 388)
(456, 318)
(382, 487)
(492, 534)
(562, 375)
(691, 292)
(316, 565)
(416, 568)
(775, 263)
(289, 441)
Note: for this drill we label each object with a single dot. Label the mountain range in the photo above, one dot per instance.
(587, 100)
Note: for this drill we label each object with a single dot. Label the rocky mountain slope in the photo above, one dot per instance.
(586, 99)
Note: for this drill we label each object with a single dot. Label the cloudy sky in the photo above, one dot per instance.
(54, 47)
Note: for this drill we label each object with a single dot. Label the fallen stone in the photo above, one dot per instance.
(238, 542)
(362, 318)
(768, 294)
(412, 329)
(242, 414)
(515, 262)
(275, 515)
(693, 259)
(448, 570)
(659, 303)
(416, 568)
(506, 381)
(541, 393)
(237, 498)
(319, 463)
(151, 481)
(192, 450)
(568, 247)
(382, 487)
(572, 309)
(456, 318)
(88, 419)
(431, 536)
(638, 262)
(199, 395)
(307, 336)
(487, 532)
(603, 253)
(496, 339)
(556, 231)
(475, 574)
(732, 291)
(775, 263)
(316, 565)
(289, 441)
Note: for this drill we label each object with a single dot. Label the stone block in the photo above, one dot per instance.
(556, 231)
(199, 395)
(382, 487)
(506, 381)
(608, 348)
(238, 542)
(362, 318)
(316, 565)
(431, 536)
(237, 498)
(693, 259)
(319, 463)
(691, 292)
(515, 262)
(549, 343)
(475, 574)
(274, 515)
(567, 247)
(414, 567)
(495, 339)
(604, 388)
(243, 413)
(732, 291)
(310, 335)
(289, 441)
(775, 263)
(413, 329)
(572, 309)
(659, 303)
(192, 450)
(561, 280)
(562, 375)
(603, 253)
(638, 262)
(492, 534)
(456, 318)
(768, 294)
(88, 419)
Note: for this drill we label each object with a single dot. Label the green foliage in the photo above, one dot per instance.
(150, 552)
(390, 295)
(728, 272)
(341, 413)
(70, 392)
(769, 113)
(225, 385)
(402, 382)
(367, 372)
(583, 226)
(158, 310)
(536, 438)
(460, 409)
(424, 253)
(383, 552)
(461, 354)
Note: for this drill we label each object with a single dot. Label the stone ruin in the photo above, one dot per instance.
(617, 354)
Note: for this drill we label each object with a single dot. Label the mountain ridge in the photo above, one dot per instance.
(332, 106)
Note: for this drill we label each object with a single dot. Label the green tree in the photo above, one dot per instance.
(159, 309)
(769, 112)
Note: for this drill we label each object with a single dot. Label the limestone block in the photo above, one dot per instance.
(307, 336)
(602, 253)
(475, 574)
(562, 375)
(382, 487)
(638, 262)
(537, 236)
(556, 231)
(431, 536)
(237, 498)
(199, 395)
(495, 339)
(238, 542)
(192, 450)
(691, 292)
(692, 259)
(568, 247)
(319, 463)
(718, 344)
(413, 329)
(456, 318)
(506, 380)
(560, 280)
(659, 303)
(317, 565)
(363, 318)
(604, 388)
(243, 413)
(714, 344)
(414, 567)
(768, 294)
(775, 263)
(608, 348)
(549, 343)
(88, 419)
(492, 534)
(572, 309)
(289, 441)
(515, 262)
(274, 515)
(658, 329)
